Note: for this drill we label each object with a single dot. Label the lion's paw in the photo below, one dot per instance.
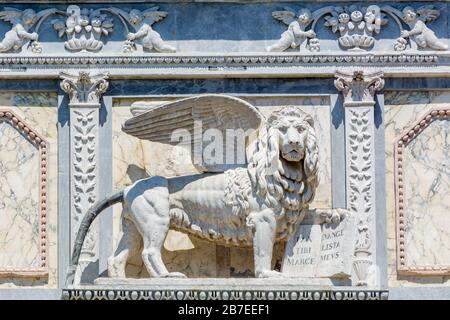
(334, 216)
(175, 275)
(269, 274)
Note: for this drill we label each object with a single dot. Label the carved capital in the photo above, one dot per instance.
(83, 89)
(359, 88)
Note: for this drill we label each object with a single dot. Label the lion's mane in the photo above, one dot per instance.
(287, 189)
(289, 192)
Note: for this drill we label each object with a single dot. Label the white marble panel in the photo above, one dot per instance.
(427, 196)
(39, 111)
(19, 200)
(402, 110)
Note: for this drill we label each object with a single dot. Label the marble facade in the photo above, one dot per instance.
(179, 50)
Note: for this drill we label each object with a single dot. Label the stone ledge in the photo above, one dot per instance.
(218, 289)
(224, 59)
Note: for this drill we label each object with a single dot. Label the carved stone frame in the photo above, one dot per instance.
(399, 145)
(42, 146)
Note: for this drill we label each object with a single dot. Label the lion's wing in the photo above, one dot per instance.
(196, 115)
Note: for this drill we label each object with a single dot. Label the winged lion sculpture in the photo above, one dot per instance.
(249, 206)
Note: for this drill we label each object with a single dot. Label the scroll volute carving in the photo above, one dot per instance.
(358, 87)
(84, 89)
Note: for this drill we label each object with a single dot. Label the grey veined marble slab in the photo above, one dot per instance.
(19, 200)
(427, 201)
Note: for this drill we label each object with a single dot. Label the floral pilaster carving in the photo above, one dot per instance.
(359, 90)
(85, 92)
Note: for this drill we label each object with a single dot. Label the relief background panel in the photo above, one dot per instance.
(135, 159)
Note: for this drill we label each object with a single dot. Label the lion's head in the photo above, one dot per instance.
(284, 166)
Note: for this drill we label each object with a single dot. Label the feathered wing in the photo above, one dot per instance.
(152, 15)
(218, 112)
(44, 14)
(123, 16)
(284, 16)
(427, 13)
(60, 26)
(119, 12)
(11, 15)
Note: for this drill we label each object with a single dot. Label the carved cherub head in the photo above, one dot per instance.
(344, 17)
(29, 17)
(304, 16)
(369, 17)
(96, 20)
(136, 16)
(84, 18)
(409, 14)
(356, 16)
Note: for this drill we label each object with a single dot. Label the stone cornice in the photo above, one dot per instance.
(103, 293)
(200, 1)
(242, 65)
(425, 58)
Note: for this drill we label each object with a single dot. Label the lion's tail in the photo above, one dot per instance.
(88, 218)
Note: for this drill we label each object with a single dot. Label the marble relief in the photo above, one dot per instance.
(135, 159)
(88, 29)
(402, 110)
(318, 107)
(38, 110)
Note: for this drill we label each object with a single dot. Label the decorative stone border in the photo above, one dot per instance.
(399, 146)
(42, 145)
(172, 59)
(149, 294)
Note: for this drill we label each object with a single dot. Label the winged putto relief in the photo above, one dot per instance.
(141, 22)
(25, 27)
(296, 34)
(418, 32)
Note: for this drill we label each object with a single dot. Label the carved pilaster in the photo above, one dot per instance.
(84, 93)
(358, 89)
